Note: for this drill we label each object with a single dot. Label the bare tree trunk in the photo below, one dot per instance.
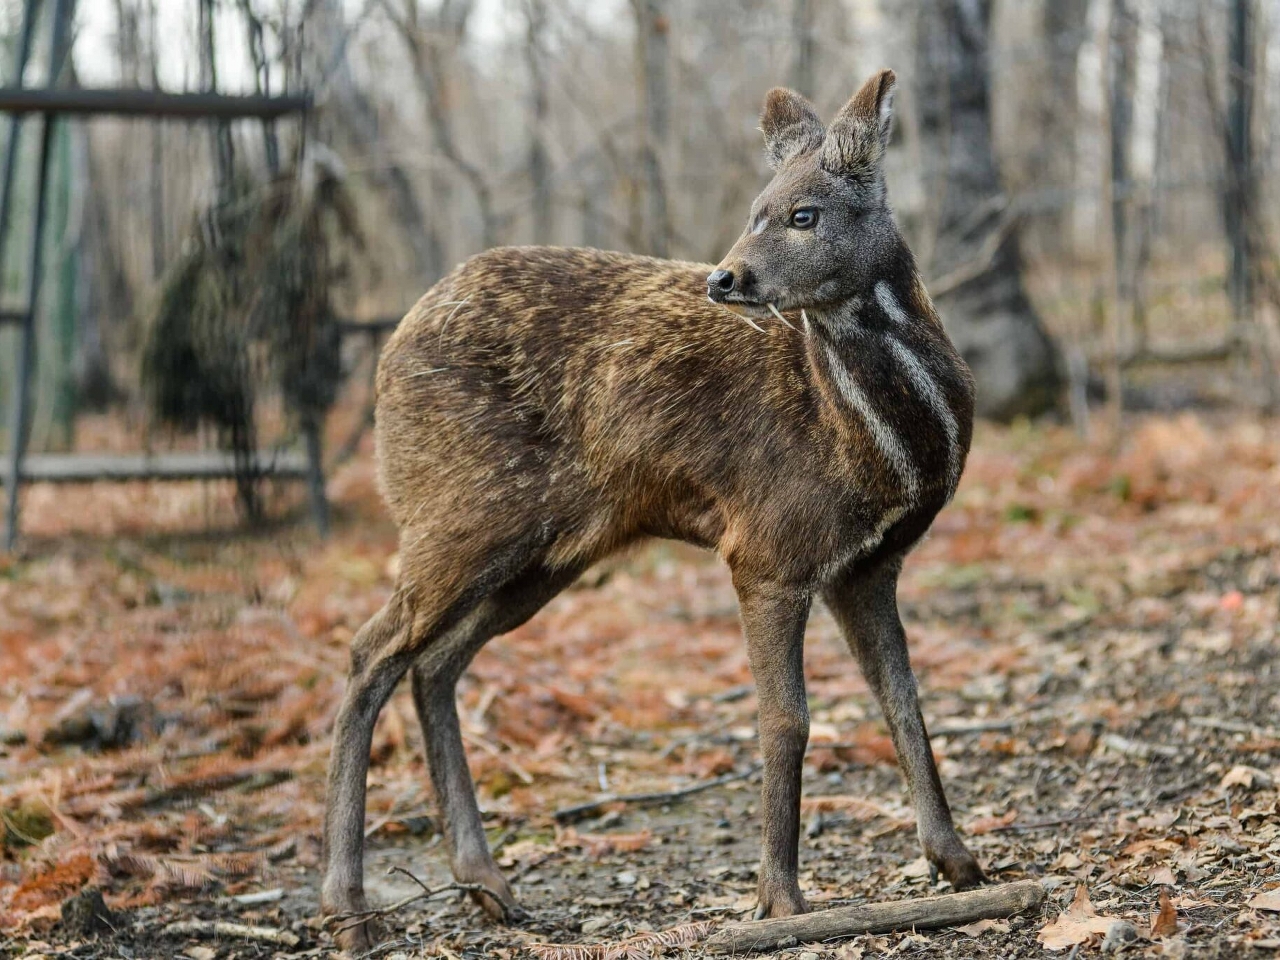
(1122, 35)
(158, 252)
(351, 119)
(261, 81)
(539, 165)
(652, 54)
(430, 46)
(1240, 184)
(223, 146)
(802, 40)
(1064, 31)
(976, 253)
(1151, 98)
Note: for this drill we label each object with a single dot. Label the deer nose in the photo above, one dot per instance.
(721, 282)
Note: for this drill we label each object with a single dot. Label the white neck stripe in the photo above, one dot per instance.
(923, 381)
(886, 441)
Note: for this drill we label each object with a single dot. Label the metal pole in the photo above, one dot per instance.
(20, 391)
(88, 101)
(312, 431)
(20, 413)
(29, 13)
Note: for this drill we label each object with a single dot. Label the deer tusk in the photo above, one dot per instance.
(805, 317)
(774, 311)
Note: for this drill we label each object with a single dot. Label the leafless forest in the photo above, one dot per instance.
(1088, 187)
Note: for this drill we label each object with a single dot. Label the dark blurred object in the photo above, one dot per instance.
(118, 723)
(87, 915)
(249, 305)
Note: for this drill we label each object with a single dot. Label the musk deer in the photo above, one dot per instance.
(800, 411)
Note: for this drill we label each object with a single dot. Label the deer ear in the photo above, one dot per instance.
(790, 125)
(859, 134)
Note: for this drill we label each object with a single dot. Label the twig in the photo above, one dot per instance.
(981, 263)
(583, 810)
(1137, 748)
(962, 727)
(928, 913)
(733, 694)
(1235, 726)
(225, 928)
(347, 921)
(1046, 824)
(535, 863)
(259, 897)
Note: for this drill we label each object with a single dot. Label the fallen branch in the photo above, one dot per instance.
(928, 913)
(225, 928)
(584, 810)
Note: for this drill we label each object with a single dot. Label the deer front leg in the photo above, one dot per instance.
(773, 618)
(866, 607)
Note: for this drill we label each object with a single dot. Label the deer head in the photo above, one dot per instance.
(821, 231)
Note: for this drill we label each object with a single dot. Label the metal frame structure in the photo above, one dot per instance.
(51, 102)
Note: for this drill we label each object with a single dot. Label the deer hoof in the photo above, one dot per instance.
(496, 899)
(360, 938)
(352, 935)
(780, 900)
(957, 864)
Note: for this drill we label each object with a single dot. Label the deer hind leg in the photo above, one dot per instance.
(377, 664)
(435, 678)
(441, 590)
(866, 607)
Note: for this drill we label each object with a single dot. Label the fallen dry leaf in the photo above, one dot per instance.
(1165, 923)
(1266, 901)
(982, 926)
(987, 824)
(1077, 925)
(917, 869)
(1245, 776)
(641, 944)
(598, 845)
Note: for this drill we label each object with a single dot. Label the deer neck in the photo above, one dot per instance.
(893, 386)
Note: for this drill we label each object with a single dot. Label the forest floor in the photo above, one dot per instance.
(1094, 626)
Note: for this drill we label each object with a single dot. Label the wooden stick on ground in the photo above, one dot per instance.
(952, 909)
(225, 928)
(584, 810)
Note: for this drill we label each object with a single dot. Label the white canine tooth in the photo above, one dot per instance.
(775, 312)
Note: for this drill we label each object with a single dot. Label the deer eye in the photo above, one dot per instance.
(806, 218)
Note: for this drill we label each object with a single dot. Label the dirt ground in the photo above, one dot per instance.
(1094, 627)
